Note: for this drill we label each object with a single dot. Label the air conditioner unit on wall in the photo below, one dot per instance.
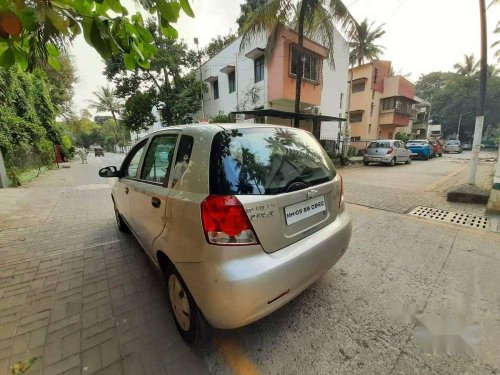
(316, 110)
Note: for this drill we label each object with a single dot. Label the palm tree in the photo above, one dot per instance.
(106, 101)
(468, 67)
(362, 43)
(497, 43)
(311, 18)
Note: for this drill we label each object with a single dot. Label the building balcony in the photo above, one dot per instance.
(419, 126)
(393, 118)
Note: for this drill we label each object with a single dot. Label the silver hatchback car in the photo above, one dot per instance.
(387, 151)
(240, 218)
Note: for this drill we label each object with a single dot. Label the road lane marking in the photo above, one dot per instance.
(235, 358)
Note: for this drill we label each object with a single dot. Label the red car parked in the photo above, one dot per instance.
(437, 148)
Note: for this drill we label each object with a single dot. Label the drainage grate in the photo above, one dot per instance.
(471, 221)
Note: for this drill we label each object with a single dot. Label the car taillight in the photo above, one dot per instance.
(389, 151)
(225, 221)
(341, 199)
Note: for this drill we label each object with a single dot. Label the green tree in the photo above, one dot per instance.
(106, 101)
(246, 9)
(33, 33)
(137, 114)
(453, 94)
(468, 67)
(28, 130)
(174, 93)
(428, 84)
(61, 85)
(313, 18)
(362, 43)
(221, 118)
(497, 43)
(218, 43)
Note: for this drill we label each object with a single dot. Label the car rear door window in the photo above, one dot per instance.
(379, 145)
(157, 162)
(182, 159)
(269, 161)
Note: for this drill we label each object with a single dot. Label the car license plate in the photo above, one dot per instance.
(300, 211)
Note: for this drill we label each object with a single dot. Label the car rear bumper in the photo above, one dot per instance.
(378, 159)
(419, 152)
(239, 290)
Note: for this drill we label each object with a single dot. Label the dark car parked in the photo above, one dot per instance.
(98, 151)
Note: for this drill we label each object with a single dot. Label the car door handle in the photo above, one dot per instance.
(155, 202)
(126, 190)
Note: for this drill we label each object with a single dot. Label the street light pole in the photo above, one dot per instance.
(459, 121)
(201, 78)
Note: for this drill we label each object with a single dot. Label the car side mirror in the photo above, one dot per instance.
(108, 172)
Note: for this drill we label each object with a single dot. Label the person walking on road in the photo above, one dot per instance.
(83, 155)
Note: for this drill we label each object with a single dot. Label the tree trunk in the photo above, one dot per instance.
(300, 69)
(115, 128)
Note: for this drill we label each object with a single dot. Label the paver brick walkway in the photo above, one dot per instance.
(76, 293)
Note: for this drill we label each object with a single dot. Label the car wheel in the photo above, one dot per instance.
(440, 155)
(366, 163)
(188, 318)
(122, 226)
(392, 163)
(408, 161)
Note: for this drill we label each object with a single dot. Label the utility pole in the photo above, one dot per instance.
(478, 130)
(201, 79)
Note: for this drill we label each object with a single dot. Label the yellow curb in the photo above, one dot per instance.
(235, 358)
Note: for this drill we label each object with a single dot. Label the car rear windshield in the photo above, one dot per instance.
(417, 142)
(453, 142)
(379, 145)
(257, 161)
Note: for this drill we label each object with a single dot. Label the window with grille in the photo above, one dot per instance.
(311, 64)
(232, 82)
(259, 69)
(356, 116)
(216, 90)
(358, 87)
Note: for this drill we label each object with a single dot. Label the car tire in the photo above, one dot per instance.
(440, 155)
(191, 324)
(120, 223)
(392, 163)
(408, 161)
(366, 163)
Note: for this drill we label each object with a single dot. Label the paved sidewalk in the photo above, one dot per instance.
(76, 293)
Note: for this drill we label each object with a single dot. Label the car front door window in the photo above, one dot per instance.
(158, 159)
(134, 158)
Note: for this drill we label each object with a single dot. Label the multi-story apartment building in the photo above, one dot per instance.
(380, 103)
(260, 87)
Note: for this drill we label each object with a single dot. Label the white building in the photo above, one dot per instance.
(264, 88)
(135, 136)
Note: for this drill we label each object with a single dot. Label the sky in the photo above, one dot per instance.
(421, 36)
